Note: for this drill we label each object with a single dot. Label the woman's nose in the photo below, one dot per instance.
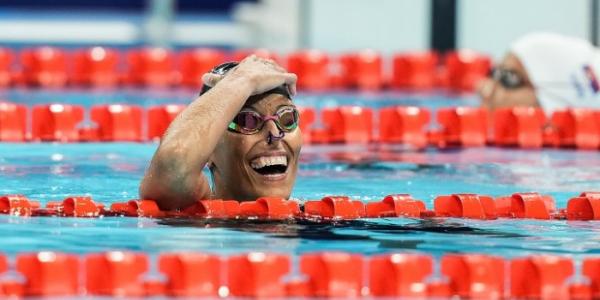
(271, 127)
(486, 89)
(272, 132)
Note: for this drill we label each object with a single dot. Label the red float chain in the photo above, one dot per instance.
(161, 67)
(586, 206)
(417, 71)
(321, 274)
(95, 67)
(456, 126)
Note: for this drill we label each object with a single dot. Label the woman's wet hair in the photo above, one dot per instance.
(223, 68)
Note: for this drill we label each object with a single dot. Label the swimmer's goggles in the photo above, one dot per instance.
(508, 79)
(251, 122)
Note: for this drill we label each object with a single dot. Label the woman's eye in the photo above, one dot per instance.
(250, 121)
(287, 119)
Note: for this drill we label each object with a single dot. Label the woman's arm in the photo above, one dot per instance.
(174, 178)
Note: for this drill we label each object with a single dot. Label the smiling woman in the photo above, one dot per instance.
(254, 155)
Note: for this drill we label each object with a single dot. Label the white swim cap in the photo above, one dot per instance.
(564, 70)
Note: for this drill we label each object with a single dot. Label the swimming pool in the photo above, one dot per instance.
(110, 172)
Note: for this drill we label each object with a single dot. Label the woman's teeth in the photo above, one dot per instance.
(265, 161)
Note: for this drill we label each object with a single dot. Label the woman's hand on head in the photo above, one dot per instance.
(263, 75)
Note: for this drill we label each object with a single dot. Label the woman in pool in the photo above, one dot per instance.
(254, 155)
(546, 70)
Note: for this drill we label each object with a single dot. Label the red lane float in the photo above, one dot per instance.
(96, 67)
(362, 70)
(542, 277)
(44, 67)
(88, 133)
(465, 68)
(551, 137)
(16, 205)
(526, 205)
(151, 67)
(401, 205)
(257, 274)
(49, 273)
(115, 274)
(336, 207)
(191, 274)
(577, 127)
(137, 208)
(348, 124)
(462, 126)
(474, 276)
(585, 207)
(404, 124)
(470, 206)
(160, 117)
(3, 264)
(193, 63)
(591, 269)
(518, 205)
(269, 208)
(322, 274)
(399, 275)
(415, 70)
(519, 126)
(144, 208)
(439, 289)
(9, 287)
(457, 126)
(312, 68)
(298, 287)
(214, 208)
(81, 207)
(118, 122)
(333, 274)
(6, 61)
(56, 122)
(13, 288)
(13, 122)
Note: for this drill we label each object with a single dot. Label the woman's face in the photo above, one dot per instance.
(246, 167)
(494, 95)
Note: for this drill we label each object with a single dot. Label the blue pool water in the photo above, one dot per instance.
(111, 172)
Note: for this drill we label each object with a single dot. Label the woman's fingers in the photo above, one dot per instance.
(275, 65)
(290, 82)
(279, 68)
(265, 74)
(290, 78)
(272, 80)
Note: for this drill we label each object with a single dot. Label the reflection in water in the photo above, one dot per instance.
(351, 230)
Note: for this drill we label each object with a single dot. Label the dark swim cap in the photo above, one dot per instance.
(223, 68)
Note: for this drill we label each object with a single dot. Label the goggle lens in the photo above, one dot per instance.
(288, 119)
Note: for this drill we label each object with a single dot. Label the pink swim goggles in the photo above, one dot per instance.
(251, 122)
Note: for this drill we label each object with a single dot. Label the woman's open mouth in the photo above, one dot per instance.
(271, 167)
